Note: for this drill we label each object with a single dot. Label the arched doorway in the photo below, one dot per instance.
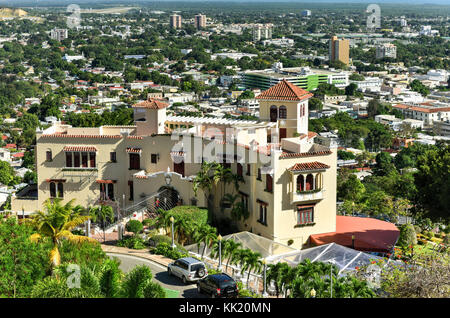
(167, 199)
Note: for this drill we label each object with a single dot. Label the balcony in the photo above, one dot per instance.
(79, 173)
(312, 195)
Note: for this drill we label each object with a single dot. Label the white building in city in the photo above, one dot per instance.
(59, 34)
(283, 42)
(386, 50)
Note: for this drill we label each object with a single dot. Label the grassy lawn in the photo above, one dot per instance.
(172, 293)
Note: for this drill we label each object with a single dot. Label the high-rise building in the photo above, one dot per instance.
(200, 21)
(262, 32)
(175, 21)
(59, 34)
(306, 13)
(386, 50)
(339, 50)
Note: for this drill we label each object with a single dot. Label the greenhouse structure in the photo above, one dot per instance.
(346, 259)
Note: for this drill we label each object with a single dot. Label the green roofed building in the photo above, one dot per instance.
(303, 77)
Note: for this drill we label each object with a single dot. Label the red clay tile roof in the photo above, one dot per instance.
(370, 234)
(285, 90)
(63, 135)
(305, 154)
(152, 103)
(309, 166)
(422, 109)
(9, 146)
(80, 148)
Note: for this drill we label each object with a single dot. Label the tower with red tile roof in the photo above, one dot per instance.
(286, 104)
(150, 117)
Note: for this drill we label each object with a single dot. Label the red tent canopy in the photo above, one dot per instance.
(370, 234)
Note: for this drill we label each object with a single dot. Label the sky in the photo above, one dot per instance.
(16, 3)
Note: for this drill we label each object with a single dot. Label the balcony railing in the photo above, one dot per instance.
(310, 195)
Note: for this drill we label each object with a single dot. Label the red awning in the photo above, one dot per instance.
(55, 180)
(370, 234)
(106, 181)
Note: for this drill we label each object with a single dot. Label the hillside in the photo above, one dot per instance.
(8, 13)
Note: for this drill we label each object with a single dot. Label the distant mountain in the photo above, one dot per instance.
(11, 12)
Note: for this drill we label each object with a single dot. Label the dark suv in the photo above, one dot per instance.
(218, 285)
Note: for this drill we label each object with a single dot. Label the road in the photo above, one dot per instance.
(128, 262)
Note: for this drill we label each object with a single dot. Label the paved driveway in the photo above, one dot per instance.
(160, 275)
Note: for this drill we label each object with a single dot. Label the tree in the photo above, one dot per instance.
(134, 226)
(138, 284)
(352, 189)
(315, 104)
(230, 249)
(252, 262)
(407, 236)
(351, 89)
(384, 164)
(22, 263)
(417, 86)
(432, 184)
(56, 224)
(102, 214)
(207, 235)
(6, 173)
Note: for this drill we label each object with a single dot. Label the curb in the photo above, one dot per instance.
(135, 253)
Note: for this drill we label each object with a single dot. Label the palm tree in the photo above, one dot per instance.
(203, 180)
(183, 227)
(56, 224)
(163, 220)
(207, 235)
(252, 262)
(102, 214)
(275, 274)
(230, 251)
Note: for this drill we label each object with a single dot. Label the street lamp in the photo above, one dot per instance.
(168, 176)
(332, 262)
(264, 262)
(220, 252)
(313, 293)
(173, 240)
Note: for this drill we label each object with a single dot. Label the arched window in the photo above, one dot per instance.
(48, 155)
(52, 190)
(273, 113)
(309, 185)
(300, 180)
(282, 114)
(319, 180)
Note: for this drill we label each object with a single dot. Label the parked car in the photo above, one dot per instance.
(188, 269)
(218, 285)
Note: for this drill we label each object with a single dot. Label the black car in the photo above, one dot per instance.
(218, 285)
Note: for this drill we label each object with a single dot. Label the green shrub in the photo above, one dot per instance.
(157, 239)
(408, 235)
(418, 229)
(166, 250)
(193, 213)
(134, 242)
(134, 226)
(446, 239)
(245, 292)
(148, 222)
(431, 234)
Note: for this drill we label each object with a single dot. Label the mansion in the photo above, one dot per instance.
(289, 183)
